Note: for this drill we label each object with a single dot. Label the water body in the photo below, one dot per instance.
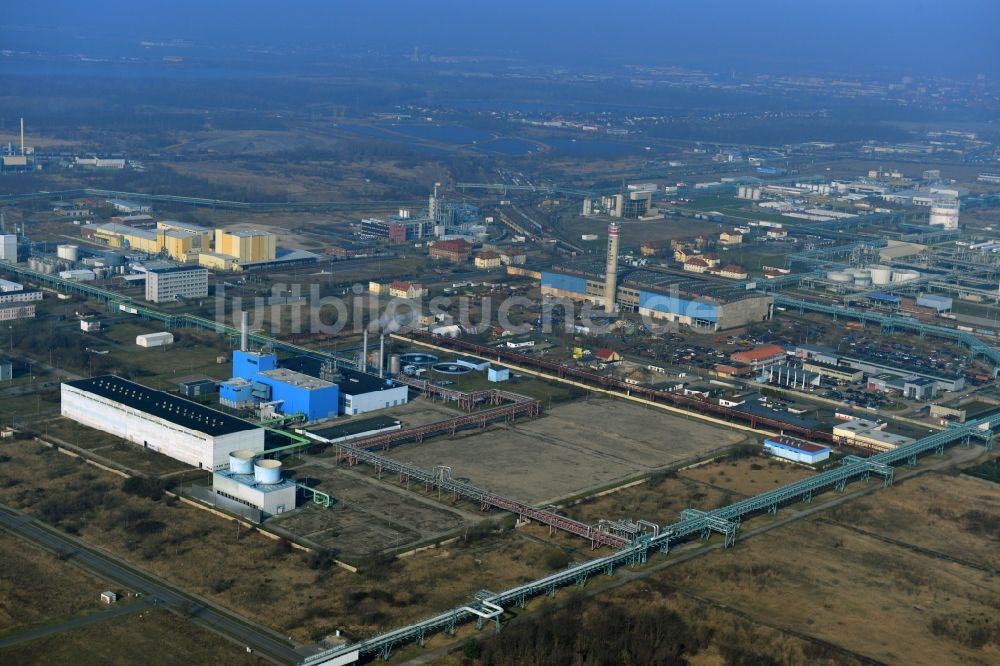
(508, 146)
(454, 134)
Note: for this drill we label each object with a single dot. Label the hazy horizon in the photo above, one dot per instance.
(851, 38)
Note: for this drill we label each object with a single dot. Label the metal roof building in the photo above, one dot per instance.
(159, 421)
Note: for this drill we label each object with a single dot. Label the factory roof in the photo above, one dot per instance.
(173, 269)
(757, 353)
(298, 379)
(689, 285)
(184, 413)
(248, 233)
(356, 427)
(796, 443)
(123, 230)
(356, 383)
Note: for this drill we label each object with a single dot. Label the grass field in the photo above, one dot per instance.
(147, 637)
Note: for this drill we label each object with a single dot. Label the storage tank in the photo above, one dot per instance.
(394, 364)
(904, 276)
(862, 278)
(880, 274)
(945, 214)
(267, 471)
(68, 252)
(839, 276)
(241, 461)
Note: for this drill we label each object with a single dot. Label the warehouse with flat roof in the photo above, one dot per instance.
(159, 421)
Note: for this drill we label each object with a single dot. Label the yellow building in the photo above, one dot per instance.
(118, 235)
(246, 246)
(202, 235)
(488, 259)
(216, 262)
(177, 244)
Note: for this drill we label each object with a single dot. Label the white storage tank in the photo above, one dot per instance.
(904, 276)
(68, 252)
(945, 214)
(839, 276)
(880, 274)
(241, 461)
(267, 472)
(394, 364)
(862, 278)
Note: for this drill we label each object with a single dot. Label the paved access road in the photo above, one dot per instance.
(157, 591)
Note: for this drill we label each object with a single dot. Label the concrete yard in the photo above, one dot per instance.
(369, 516)
(575, 447)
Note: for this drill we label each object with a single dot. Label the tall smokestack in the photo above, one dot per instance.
(244, 330)
(364, 353)
(611, 276)
(381, 356)
(22, 137)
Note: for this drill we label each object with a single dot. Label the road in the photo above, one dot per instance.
(158, 591)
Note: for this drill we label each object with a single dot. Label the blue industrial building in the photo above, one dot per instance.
(257, 380)
(699, 302)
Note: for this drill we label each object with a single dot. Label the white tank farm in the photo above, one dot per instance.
(839, 276)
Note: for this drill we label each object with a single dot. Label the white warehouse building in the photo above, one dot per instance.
(160, 421)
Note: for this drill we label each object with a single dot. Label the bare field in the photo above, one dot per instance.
(748, 476)
(247, 572)
(149, 637)
(36, 586)
(873, 598)
(574, 448)
(955, 515)
(368, 517)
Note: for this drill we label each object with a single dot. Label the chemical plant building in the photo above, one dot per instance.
(862, 433)
(173, 283)
(259, 382)
(796, 450)
(160, 421)
(360, 392)
(253, 484)
(696, 302)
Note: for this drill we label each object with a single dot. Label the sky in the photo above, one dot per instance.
(884, 38)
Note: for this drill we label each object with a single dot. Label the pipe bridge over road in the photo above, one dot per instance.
(692, 523)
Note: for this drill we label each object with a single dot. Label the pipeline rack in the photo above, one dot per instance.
(693, 522)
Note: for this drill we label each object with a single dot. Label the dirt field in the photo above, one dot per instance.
(368, 517)
(576, 447)
(147, 637)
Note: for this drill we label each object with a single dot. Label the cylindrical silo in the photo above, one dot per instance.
(68, 252)
(241, 461)
(267, 471)
(880, 274)
(839, 276)
(394, 364)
